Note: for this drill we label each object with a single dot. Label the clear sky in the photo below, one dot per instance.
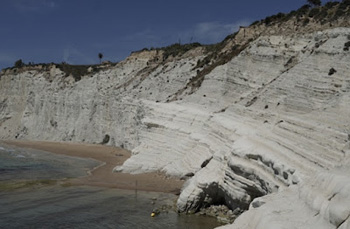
(75, 31)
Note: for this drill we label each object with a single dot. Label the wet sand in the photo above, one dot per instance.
(103, 176)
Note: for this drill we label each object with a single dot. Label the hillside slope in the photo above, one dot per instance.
(260, 121)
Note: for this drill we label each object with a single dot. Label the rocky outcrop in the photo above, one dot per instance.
(262, 123)
(45, 104)
(320, 202)
(261, 130)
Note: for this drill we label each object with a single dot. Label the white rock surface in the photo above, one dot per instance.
(270, 124)
(320, 202)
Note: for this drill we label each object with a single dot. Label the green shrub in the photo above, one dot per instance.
(19, 64)
(322, 14)
(178, 49)
(306, 21)
(330, 5)
(255, 23)
(77, 71)
(344, 4)
(174, 49)
(274, 18)
(313, 12)
(315, 2)
(303, 10)
(231, 36)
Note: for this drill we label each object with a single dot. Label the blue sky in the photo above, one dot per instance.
(75, 31)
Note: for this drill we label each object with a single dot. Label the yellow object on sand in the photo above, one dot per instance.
(153, 214)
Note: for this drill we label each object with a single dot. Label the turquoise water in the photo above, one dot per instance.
(85, 207)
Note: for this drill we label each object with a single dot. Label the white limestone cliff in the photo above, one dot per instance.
(264, 122)
(268, 131)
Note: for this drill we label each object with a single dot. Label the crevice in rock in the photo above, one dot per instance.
(212, 195)
(331, 197)
(206, 162)
(106, 139)
(215, 194)
(347, 218)
(252, 190)
(3, 105)
(251, 102)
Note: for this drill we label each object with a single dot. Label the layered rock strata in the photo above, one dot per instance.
(265, 123)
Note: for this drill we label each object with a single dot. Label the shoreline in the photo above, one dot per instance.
(102, 175)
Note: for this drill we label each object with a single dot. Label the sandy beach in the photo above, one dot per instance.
(103, 175)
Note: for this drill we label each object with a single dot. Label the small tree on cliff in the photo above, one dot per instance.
(19, 63)
(100, 56)
(314, 2)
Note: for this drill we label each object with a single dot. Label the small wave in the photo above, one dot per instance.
(8, 150)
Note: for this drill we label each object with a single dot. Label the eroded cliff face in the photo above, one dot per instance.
(44, 104)
(286, 116)
(269, 120)
(272, 121)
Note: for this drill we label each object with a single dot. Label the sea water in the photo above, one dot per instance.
(60, 206)
(28, 164)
